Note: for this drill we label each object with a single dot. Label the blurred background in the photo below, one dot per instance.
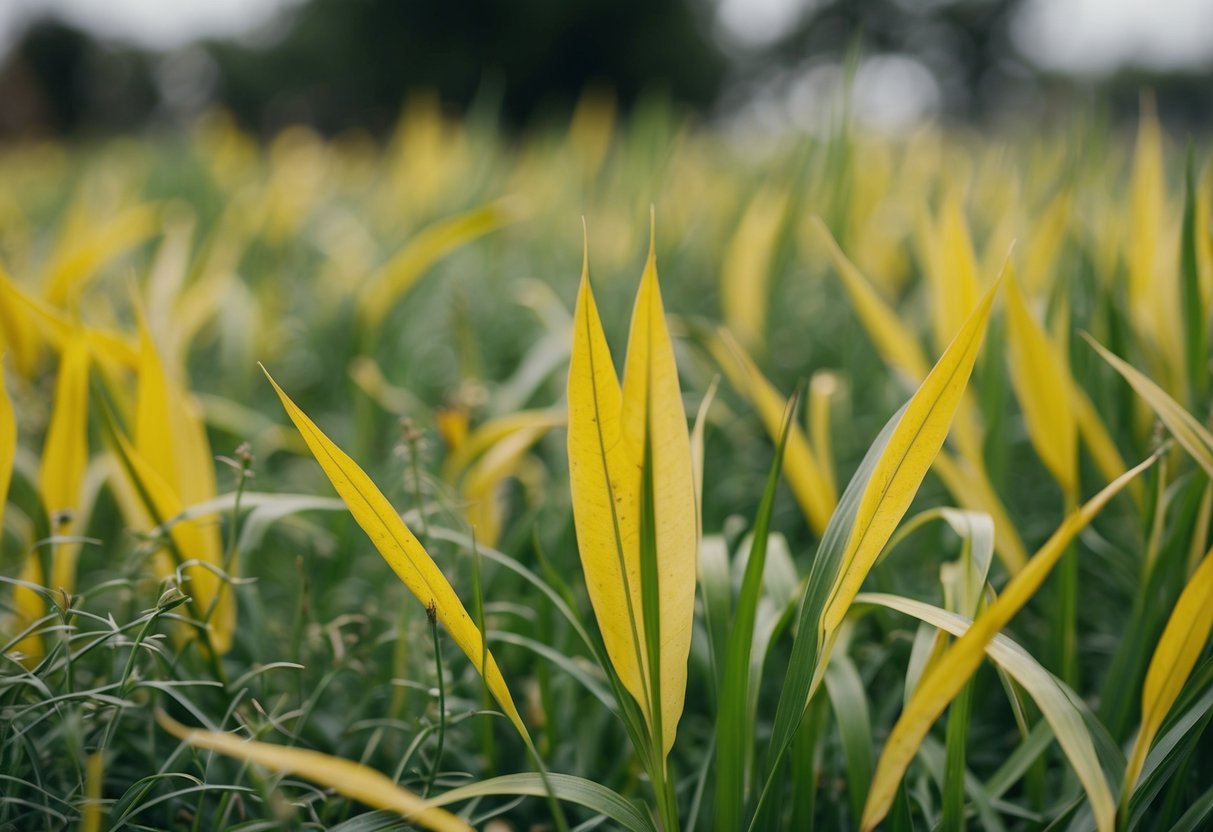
(73, 67)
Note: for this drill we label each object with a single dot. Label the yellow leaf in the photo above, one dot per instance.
(353, 780)
(1178, 649)
(896, 344)
(94, 770)
(387, 286)
(65, 456)
(809, 484)
(403, 552)
(745, 273)
(494, 431)
(1183, 425)
(1098, 441)
(822, 387)
(608, 430)
(911, 450)
(17, 335)
(944, 679)
(170, 438)
(1042, 384)
(481, 485)
(653, 411)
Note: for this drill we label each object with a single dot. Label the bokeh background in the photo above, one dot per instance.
(71, 67)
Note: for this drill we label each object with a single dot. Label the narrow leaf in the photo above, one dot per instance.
(401, 549)
(947, 676)
(353, 780)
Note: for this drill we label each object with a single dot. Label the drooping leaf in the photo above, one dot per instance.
(403, 552)
(353, 780)
(1055, 702)
(944, 679)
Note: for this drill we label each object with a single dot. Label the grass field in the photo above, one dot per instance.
(860, 481)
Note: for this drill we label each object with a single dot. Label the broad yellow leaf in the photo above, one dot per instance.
(387, 286)
(813, 490)
(1189, 432)
(353, 780)
(745, 273)
(608, 430)
(1182, 641)
(911, 450)
(1042, 385)
(946, 676)
(403, 552)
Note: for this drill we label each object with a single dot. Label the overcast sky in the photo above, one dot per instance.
(1085, 36)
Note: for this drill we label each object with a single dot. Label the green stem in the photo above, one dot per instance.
(429, 781)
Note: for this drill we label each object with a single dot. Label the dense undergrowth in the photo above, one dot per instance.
(750, 516)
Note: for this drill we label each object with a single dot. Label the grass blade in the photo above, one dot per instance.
(354, 780)
(401, 549)
(947, 676)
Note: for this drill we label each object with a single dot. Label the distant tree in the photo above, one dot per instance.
(345, 62)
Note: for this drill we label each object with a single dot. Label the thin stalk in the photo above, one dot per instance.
(431, 612)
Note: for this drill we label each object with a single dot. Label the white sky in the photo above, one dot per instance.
(1086, 36)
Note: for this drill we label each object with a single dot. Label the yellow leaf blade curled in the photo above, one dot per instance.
(402, 550)
(949, 674)
(911, 450)
(1042, 385)
(652, 407)
(353, 780)
(1178, 649)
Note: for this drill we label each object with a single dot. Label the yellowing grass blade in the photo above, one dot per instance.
(812, 488)
(1046, 690)
(83, 255)
(481, 485)
(1042, 385)
(353, 780)
(492, 432)
(946, 676)
(170, 438)
(403, 552)
(18, 337)
(746, 270)
(653, 412)
(385, 288)
(911, 450)
(65, 456)
(1182, 641)
(1183, 425)
(897, 345)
